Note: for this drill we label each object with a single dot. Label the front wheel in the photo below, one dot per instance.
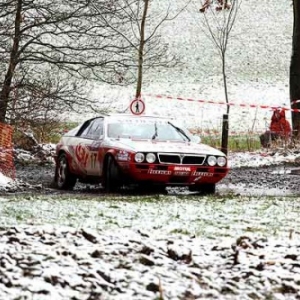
(64, 179)
(112, 181)
(207, 189)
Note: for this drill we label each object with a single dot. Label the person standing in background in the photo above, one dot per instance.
(280, 128)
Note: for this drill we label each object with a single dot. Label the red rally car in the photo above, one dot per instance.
(151, 152)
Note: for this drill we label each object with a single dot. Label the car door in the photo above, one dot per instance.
(88, 147)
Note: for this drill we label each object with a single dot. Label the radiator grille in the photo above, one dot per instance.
(181, 159)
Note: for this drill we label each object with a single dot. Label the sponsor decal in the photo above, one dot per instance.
(181, 173)
(82, 155)
(186, 169)
(159, 172)
(203, 174)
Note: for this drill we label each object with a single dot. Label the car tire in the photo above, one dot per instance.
(207, 189)
(112, 181)
(64, 179)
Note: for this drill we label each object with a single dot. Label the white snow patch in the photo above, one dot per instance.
(260, 159)
(5, 181)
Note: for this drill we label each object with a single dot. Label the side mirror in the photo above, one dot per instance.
(196, 139)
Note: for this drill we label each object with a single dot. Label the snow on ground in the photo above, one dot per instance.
(261, 158)
(4, 181)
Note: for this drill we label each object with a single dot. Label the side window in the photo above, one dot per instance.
(92, 129)
(84, 129)
(96, 129)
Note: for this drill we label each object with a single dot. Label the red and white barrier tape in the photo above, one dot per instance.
(224, 103)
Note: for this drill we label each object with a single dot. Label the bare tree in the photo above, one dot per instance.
(53, 48)
(295, 70)
(142, 36)
(219, 17)
(141, 50)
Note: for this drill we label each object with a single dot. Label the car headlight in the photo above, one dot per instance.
(212, 160)
(150, 158)
(139, 157)
(221, 161)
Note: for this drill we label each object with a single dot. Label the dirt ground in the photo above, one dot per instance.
(271, 180)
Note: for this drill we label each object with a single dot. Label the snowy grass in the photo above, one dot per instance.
(235, 143)
(208, 217)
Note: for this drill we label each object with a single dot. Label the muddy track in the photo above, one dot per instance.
(37, 178)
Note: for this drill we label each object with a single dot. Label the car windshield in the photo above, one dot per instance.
(154, 129)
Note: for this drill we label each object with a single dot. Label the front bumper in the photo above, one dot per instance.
(173, 174)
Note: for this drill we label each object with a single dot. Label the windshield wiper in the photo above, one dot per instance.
(155, 132)
(181, 131)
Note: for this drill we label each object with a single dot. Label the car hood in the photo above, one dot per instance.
(164, 146)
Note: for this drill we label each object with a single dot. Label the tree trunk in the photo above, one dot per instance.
(225, 124)
(295, 69)
(225, 134)
(225, 81)
(141, 51)
(6, 87)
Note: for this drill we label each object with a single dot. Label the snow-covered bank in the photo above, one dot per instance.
(169, 247)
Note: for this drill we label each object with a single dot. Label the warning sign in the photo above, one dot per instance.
(137, 107)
